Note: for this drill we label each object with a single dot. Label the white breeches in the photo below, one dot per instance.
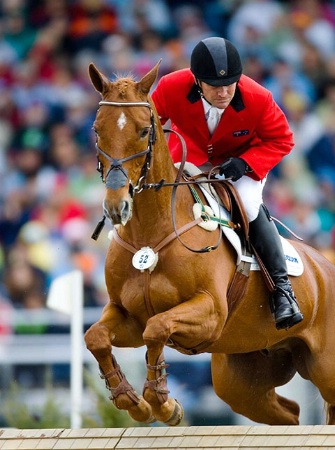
(251, 193)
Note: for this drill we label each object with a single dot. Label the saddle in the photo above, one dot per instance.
(228, 197)
(224, 193)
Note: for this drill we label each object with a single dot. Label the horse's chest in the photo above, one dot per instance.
(146, 293)
(149, 293)
(143, 294)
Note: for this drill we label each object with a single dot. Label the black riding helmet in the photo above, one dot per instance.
(216, 61)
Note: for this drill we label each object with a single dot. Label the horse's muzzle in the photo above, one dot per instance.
(120, 214)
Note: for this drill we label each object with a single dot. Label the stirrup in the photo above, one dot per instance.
(290, 322)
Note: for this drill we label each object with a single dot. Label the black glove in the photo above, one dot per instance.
(233, 168)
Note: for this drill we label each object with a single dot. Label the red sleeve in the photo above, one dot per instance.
(275, 140)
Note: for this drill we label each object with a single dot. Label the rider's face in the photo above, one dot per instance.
(219, 96)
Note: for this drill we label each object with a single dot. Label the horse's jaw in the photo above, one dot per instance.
(119, 215)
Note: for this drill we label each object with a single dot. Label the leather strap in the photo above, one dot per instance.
(267, 278)
(163, 243)
(238, 285)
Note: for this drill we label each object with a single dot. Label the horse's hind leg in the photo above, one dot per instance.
(124, 332)
(246, 383)
(320, 369)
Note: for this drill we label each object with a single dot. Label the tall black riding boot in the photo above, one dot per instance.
(265, 239)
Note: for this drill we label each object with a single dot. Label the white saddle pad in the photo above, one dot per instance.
(295, 266)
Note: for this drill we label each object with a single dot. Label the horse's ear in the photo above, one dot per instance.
(99, 81)
(149, 79)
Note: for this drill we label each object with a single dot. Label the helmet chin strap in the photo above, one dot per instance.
(197, 82)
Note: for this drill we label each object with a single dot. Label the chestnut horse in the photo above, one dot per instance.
(163, 294)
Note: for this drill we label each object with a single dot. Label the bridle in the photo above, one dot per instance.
(116, 163)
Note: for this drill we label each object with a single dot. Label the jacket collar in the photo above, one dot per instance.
(237, 101)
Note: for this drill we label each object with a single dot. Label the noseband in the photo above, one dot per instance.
(116, 163)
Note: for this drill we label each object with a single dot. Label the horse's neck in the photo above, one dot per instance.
(152, 210)
(162, 165)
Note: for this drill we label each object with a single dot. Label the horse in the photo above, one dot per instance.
(168, 280)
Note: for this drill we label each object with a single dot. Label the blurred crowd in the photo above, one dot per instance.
(51, 195)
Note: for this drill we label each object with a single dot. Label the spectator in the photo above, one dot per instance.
(90, 21)
(17, 31)
(25, 284)
(257, 15)
(138, 16)
(304, 122)
(284, 78)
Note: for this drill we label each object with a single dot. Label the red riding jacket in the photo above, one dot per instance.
(252, 126)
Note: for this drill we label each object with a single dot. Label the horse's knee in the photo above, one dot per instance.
(97, 338)
(156, 330)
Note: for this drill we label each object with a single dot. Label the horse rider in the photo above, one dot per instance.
(229, 120)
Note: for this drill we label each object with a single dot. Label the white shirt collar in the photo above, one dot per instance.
(208, 106)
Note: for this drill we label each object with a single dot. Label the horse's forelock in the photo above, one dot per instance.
(123, 82)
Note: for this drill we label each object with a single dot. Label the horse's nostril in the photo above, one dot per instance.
(125, 211)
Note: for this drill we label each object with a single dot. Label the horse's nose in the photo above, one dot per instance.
(119, 214)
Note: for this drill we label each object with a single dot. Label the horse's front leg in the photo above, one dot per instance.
(115, 327)
(193, 324)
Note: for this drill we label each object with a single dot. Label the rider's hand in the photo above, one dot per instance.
(233, 168)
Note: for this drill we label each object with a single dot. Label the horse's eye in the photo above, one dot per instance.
(144, 132)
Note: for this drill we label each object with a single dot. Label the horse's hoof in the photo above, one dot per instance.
(142, 412)
(177, 415)
(151, 419)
